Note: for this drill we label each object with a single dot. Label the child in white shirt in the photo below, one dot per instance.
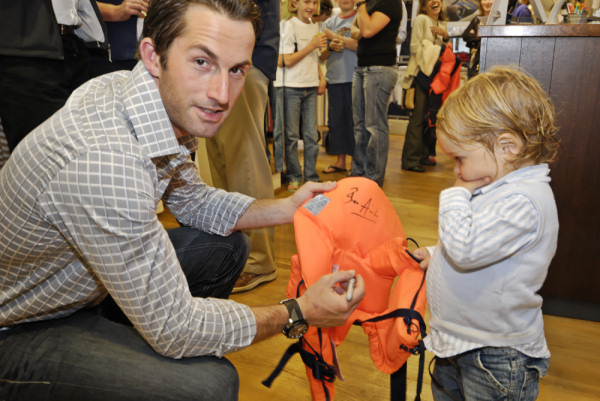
(302, 80)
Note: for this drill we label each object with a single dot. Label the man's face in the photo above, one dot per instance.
(205, 71)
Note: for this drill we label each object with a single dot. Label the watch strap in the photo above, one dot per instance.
(294, 310)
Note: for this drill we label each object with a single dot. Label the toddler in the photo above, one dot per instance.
(498, 229)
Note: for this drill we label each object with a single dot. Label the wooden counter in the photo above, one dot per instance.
(565, 59)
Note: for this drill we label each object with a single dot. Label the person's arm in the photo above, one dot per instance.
(324, 304)
(349, 43)
(474, 239)
(113, 228)
(271, 212)
(325, 54)
(355, 31)
(402, 32)
(317, 42)
(370, 25)
(123, 11)
(322, 81)
(418, 33)
(439, 31)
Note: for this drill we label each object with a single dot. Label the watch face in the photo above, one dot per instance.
(296, 329)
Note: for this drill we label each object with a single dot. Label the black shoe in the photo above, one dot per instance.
(416, 169)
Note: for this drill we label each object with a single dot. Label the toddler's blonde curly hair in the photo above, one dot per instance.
(504, 99)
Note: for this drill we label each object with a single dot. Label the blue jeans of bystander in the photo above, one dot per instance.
(371, 92)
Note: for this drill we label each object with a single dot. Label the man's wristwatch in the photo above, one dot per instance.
(358, 4)
(296, 326)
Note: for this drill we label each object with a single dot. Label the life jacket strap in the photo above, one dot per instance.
(321, 370)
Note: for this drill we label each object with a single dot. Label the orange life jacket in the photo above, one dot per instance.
(356, 228)
(447, 79)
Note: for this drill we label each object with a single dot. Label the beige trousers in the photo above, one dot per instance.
(238, 162)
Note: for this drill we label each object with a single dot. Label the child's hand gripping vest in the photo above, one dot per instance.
(356, 228)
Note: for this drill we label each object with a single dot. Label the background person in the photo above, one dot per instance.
(43, 58)
(375, 76)
(123, 26)
(471, 38)
(237, 157)
(302, 81)
(340, 55)
(419, 141)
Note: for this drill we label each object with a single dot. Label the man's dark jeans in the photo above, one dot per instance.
(89, 356)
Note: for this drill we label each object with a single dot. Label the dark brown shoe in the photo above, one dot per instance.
(416, 169)
(249, 281)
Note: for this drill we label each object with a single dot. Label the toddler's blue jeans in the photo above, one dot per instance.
(488, 374)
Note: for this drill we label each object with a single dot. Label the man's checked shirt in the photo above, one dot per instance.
(77, 218)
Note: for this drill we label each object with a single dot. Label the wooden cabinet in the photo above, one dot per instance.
(565, 59)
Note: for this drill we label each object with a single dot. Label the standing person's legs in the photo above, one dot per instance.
(361, 136)
(414, 149)
(292, 100)
(379, 84)
(87, 357)
(347, 121)
(238, 163)
(32, 89)
(341, 126)
(310, 130)
(278, 134)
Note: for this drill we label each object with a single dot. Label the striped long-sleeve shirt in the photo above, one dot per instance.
(492, 257)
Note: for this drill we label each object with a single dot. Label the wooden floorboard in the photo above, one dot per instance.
(573, 374)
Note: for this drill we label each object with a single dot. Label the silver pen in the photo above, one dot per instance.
(350, 289)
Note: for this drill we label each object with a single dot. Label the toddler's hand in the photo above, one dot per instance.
(472, 185)
(424, 256)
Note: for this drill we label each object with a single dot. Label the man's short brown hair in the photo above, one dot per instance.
(165, 20)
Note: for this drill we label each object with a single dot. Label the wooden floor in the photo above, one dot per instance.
(574, 367)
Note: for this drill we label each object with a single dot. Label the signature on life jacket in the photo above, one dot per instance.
(365, 209)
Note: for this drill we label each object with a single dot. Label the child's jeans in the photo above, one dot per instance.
(488, 374)
(301, 101)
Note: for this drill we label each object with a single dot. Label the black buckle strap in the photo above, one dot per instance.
(66, 29)
(321, 370)
(407, 315)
